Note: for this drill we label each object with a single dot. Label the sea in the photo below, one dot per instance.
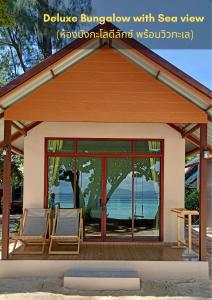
(119, 206)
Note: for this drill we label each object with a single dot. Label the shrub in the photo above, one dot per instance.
(192, 199)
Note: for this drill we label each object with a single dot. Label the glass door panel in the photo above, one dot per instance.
(146, 197)
(119, 198)
(61, 182)
(89, 193)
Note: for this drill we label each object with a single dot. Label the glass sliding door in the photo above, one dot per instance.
(119, 198)
(89, 193)
(117, 183)
(61, 182)
(146, 197)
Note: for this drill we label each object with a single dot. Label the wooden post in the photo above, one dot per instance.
(203, 194)
(178, 231)
(6, 189)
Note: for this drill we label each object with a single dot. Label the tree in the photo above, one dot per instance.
(25, 38)
(6, 16)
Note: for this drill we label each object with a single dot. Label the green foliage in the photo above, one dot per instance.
(7, 19)
(192, 199)
(16, 170)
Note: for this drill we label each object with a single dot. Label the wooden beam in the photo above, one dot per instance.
(17, 135)
(186, 133)
(186, 126)
(14, 137)
(203, 194)
(194, 151)
(175, 127)
(32, 125)
(21, 130)
(6, 190)
(190, 138)
(17, 150)
(193, 140)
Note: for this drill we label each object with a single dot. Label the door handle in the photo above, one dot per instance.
(104, 207)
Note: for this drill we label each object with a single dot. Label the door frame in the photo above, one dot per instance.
(103, 157)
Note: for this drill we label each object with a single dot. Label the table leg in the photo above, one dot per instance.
(189, 235)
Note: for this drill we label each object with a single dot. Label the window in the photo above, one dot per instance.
(60, 146)
(107, 146)
(153, 147)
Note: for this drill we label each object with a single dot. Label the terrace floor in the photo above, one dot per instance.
(114, 251)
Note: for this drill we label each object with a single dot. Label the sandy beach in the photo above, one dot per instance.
(52, 288)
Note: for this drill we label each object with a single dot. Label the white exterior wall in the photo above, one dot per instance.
(147, 270)
(174, 159)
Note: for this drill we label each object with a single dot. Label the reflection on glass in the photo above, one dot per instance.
(61, 182)
(146, 196)
(153, 147)
(119, 197)
(88, 193)
(119, 184)
(103, 146)
(60, 146)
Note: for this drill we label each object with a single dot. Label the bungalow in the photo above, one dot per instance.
(105, 125)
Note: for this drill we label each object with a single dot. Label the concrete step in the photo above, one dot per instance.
(90, 279)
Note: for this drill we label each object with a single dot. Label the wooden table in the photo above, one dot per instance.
(181, 214)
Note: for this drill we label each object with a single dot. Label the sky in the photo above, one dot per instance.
(195, 62)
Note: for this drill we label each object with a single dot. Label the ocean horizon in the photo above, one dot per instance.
(119, 205)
